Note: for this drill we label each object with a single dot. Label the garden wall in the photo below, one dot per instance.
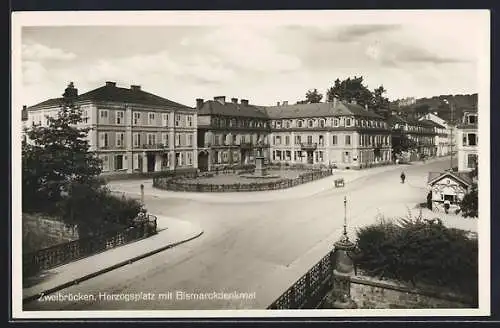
(176, 184)
(376, 294)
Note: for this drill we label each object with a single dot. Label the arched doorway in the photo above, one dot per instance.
(203, 160)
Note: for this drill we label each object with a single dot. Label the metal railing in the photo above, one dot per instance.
(53, 256)
(310, 289)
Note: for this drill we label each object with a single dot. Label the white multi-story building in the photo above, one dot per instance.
(337, 133)
(132, 130)
(467, 142)
(443, 139)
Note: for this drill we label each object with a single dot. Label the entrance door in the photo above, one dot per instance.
(151, 162)
(310, 158)
(203, 161)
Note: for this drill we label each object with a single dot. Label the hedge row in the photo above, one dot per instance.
(420, 251)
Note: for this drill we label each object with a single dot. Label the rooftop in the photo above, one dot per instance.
(110, 92)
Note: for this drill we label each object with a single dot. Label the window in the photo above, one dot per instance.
(189, 139)
(287, 140)
(103, 116)
(120, 139)
(288, 155)
(177, 140)
(472, 119)
(300, 123)
(472, 139)
(189, 120)
(310, 123)
(217, 140)
(151, 139)
(287, 124)
(164, 119)
(177, 119)
(336, 122)
(320, 156)
(164, 139)
(103, 140)
(471, 161)
(137, 140)
(449, 198)
(278, 140)
(120, 117)
(278, 124)
(119, 162)
(347, 140)
(47, 121)
(189, 158)
(179, 158)
(85, 116)
(348, 122)
(235, 139)
(322, 123)
(321, 140)
(137, 118)
(225, 156)
(334, 140)
(297, 140)
(151, 118)
(309, 139)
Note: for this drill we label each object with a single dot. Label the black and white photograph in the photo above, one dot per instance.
(244, 164)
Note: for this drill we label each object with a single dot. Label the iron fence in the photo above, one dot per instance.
(53, 256)
(310, 289)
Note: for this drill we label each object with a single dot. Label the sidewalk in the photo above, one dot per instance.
(304, 190)
(171, 232)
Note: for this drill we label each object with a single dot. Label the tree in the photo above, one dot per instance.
(57, 156)
(469, 204)
(380, 104)
(313, 96)
(350, 89)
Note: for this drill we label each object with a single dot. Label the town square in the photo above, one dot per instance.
(192, 174)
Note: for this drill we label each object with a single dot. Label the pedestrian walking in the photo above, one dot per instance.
(403, 177)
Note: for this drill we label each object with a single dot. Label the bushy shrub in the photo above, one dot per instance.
(418, 250)
(96, 210)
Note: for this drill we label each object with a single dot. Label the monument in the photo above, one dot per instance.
(260, 170)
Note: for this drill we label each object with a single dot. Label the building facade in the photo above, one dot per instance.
(131, 130)
(444, 138)
(340, 134)
(448, 189)
(230, 133)
(467, 142)
(417, 137)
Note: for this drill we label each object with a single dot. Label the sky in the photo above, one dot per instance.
(417, 55)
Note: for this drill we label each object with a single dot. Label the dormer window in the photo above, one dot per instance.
(472, 119)
(287, 124)
(300, 123)
(348, 122)
(322, 123)
(336, 122)
(278, 124)
(310, 123)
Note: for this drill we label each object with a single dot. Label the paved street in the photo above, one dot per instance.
(259, 247)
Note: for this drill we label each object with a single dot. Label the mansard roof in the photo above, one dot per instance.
(214, 107)
(319, 110)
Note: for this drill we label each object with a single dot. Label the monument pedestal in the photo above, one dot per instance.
(260, 170)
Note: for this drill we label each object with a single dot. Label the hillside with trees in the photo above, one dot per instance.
(461, 103)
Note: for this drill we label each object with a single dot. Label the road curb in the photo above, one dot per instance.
(105, 270)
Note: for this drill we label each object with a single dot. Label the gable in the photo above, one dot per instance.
(448, 179)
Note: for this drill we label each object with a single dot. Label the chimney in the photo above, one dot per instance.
(221, 99)
(285, 102)
(234, 100)
(278, 104)
(135, 87)
(199, 103)
(110, 84)
(244, 102)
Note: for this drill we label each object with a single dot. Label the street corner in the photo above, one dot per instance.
(177, 230)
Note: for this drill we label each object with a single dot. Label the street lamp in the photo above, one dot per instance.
(345, 218)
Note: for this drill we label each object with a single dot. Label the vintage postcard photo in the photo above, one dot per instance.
(250, 164)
